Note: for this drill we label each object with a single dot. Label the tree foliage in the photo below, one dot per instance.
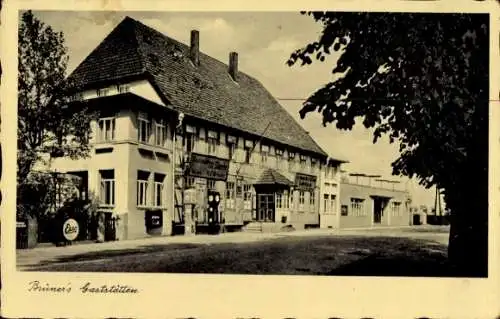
(47, 126)
(421, 80)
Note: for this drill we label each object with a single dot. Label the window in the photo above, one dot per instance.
(303, 162)
(248, 154)
(333, 204)
(301, 200)
(189, 182)
(325, 203)
(159, 189)
(211, 145)
(239, 190)
(160, 133)
(231, 147)
(212, 142)
(357, 207)
(396, 208)
(313, 165)
(230, 195)
(312, 199)
(279, 198)
(279, 158)
(286, 200)
(189, 140)
(247, 196)
(107, 191)
(264, 153)
(106, 130)
(211, 184)
(343, 210)
(144, 128)
(142, 188)
(291, 161)
(123, 88)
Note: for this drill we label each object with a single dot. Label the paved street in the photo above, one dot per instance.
(406, 251)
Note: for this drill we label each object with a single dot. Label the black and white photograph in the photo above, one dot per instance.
(334, 143)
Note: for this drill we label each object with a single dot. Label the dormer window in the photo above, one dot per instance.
(123, 88)
(102, 92)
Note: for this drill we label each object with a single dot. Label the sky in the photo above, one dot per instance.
(264, 42)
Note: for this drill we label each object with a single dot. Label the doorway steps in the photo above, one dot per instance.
(253, 227)
(261, 227)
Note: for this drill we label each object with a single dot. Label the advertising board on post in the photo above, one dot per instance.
(71, 229)
(210, 167)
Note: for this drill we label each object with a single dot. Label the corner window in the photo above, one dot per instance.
(106, 129)
(142, 188)
(144, 128)
(107, 190)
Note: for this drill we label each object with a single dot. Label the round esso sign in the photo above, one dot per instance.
(71, 229)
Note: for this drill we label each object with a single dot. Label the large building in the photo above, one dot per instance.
(173, 118)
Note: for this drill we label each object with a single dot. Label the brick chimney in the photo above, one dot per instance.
(194, 51)
(233, 65)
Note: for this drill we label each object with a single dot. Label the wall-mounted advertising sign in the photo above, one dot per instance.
(210, 167)
(305, 182)
(71, 229)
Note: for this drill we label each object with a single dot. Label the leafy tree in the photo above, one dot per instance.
(422, 81)
(47, 126)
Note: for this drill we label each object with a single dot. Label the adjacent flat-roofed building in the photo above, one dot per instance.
(369, 201)
(173, 118)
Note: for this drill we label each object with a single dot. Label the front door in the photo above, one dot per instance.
(265, 207)
(377, 211)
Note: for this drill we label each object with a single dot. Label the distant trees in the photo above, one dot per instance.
(422, 81)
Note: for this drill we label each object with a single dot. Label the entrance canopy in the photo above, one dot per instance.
(273, 177)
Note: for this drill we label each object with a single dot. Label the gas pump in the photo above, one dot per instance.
(213, 212)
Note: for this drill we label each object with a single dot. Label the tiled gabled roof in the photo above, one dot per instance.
(206, 91)
(272, 177)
